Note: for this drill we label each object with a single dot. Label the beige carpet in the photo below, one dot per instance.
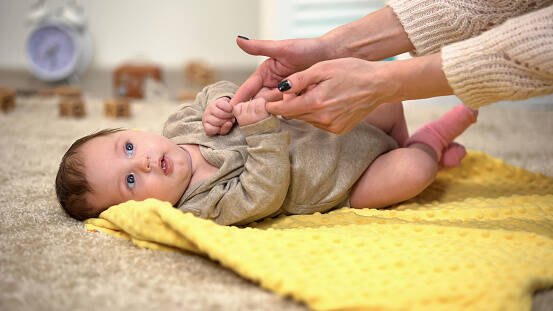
(50, 262)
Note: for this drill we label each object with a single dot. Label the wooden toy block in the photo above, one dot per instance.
(128, 79)
(7, 99)
(72, 107)
(187, 95)
(199, 73)
(68, 91)
(47, 92)
(117, 108)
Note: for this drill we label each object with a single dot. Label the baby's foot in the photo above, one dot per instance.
(453, 155)
(440, 134)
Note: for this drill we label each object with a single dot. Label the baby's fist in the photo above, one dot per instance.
(218, 117)
(250, 112)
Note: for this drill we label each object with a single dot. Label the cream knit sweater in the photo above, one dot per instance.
(491, 50)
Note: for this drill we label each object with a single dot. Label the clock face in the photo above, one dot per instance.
(52, 52)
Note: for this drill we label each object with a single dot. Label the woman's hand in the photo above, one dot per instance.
(285, 58)
(335, 95)
(376, 36)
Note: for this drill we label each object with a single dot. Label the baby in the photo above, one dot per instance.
(263, 167)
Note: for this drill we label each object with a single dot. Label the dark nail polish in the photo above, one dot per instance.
(284, 86)
(242, 37)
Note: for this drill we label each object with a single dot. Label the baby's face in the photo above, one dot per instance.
(134, 165)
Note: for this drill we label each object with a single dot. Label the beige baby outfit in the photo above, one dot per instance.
(271, 167)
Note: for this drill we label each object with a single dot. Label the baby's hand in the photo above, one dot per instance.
(218, 117)
(250, 112)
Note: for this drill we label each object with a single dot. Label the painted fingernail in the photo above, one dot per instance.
(284, 85)
(242, 37)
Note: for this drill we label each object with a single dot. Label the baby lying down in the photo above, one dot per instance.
(265, 165)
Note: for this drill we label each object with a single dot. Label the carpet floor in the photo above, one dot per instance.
(48, 261)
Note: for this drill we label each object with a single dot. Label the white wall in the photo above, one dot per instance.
(285, 19)
(169, 32)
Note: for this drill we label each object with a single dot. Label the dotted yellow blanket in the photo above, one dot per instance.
(479, 238)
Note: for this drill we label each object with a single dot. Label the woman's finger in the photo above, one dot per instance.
(269, 95)
(267, 48)
(300, 81)
(248, 89)
(293, 105)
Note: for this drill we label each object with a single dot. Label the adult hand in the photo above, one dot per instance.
(376, 36)
(335, 95)
(285, 58)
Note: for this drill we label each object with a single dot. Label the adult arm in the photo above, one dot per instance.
(513, 61)
(509, 62)
(337, 94)
(376, 36)
(419, 26)
(433, 24)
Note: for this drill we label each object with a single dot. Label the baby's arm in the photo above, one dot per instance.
(218, 117)
(261, 185)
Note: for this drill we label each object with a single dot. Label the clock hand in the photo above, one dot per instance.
(51, 53)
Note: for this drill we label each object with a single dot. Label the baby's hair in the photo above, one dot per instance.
(71, 183)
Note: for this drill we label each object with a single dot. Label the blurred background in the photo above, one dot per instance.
(184, 44)
(168, 34)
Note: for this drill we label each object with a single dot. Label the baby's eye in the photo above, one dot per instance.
(130, 180)
(129, 148)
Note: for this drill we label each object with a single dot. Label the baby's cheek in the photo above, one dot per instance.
(158, 191)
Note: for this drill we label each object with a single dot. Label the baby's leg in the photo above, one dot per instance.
(394, 177)
(405, 172)
(389, 117)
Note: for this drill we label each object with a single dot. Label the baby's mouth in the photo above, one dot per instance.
(166, 165)
(163, 165)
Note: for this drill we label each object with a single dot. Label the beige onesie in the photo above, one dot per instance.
(273, 166)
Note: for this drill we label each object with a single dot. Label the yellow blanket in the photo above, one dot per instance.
(479, 238)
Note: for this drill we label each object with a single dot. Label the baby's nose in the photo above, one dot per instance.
(144, 164)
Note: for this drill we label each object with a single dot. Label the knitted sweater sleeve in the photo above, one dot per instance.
(491, 50)
(513, 61)
(432, 24)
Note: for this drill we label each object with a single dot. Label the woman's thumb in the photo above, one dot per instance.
(257, 47)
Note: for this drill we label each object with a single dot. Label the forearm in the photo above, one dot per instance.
(376, 36)
(415, 78)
